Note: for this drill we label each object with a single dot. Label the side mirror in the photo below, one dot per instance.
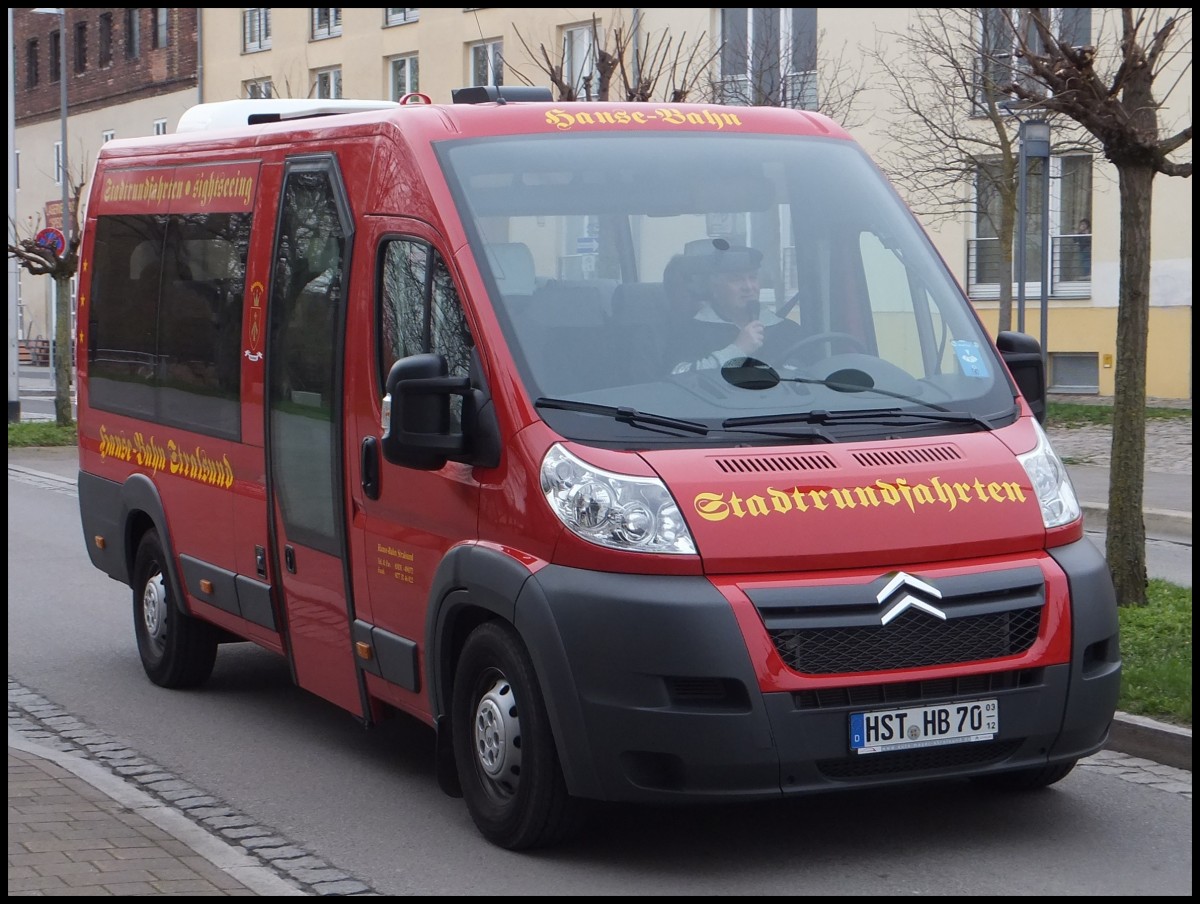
(1023, 355)
(416, 413)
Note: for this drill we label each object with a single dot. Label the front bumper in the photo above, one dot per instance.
(655, 697)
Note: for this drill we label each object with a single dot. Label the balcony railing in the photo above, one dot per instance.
(1070, 268)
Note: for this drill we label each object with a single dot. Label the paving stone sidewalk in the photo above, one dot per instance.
(1168, 445)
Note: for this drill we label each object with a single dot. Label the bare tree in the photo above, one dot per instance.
(61, 265)
(1110, 90)
(954, 141)
(643, 65)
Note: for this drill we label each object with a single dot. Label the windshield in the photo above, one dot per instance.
(637, 272)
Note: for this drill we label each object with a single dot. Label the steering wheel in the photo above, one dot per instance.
(828, 336)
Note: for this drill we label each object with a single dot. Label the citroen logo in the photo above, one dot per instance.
(896, 596)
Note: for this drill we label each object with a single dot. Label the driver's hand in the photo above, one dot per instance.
(750, 339)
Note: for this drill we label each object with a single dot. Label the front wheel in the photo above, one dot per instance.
(504, 751)
(177, 651)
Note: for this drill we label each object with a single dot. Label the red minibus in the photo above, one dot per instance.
(645, 452)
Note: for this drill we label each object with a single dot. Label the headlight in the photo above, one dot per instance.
(614, 510)
(1046, 471)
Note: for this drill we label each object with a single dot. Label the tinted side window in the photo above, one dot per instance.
(420, 311)
(165, 319)
(303, 358)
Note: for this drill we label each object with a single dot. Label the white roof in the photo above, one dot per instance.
(228, 114)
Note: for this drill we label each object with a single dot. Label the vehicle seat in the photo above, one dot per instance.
(641, 317)
(512, 267)
(567, 330)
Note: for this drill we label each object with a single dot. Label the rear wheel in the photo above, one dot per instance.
(177, 650)
(1027, 779)
(504, 752)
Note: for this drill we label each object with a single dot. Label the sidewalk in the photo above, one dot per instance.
(75, 827)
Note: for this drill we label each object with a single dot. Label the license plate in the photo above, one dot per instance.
(924, 726)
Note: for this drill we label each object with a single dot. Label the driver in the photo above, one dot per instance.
(730, 323)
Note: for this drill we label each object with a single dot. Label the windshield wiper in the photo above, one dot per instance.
(629, 416)
(868, 416)
(750, 373)
(742, 425)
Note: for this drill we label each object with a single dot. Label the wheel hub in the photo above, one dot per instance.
(498, 734)
(154, 605)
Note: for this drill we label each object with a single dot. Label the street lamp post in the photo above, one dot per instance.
(1034, 138)
(64, 170)
(14, 273)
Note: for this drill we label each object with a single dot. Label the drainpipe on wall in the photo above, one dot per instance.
(199, 55)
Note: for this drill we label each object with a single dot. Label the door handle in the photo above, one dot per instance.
(289, 559)
(369, 466)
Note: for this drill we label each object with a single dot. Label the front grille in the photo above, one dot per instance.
(833, 629)
(911, 641)
(915, 693)
(925, 759)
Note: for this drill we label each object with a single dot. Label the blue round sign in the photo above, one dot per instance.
(53, 239)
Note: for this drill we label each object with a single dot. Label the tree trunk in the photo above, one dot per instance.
(63, 344)
(1126, 541)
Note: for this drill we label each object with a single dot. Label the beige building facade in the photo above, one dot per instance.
(385, 53)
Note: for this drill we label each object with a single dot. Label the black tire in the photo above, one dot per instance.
(177, 651)
(1027, 779)
(504, 751)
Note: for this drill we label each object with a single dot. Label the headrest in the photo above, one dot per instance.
(512, 266)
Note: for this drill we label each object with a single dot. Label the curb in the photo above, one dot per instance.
(1164, 523)
(1138, 736)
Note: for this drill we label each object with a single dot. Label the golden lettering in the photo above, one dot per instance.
(779, 500)
(756, 505)
(936, 493)
(711, 506)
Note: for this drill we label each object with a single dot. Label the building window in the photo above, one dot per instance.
(31, 63)
(579, 61)
(107, 135)
(1071, 202)
(999, 28)
(769, 57)
(160, 27)
(256, 29)
(58, 163)
(160, 127)
(487, 63)
(328, 83)
(106, 33)
(80, 47)
(405, 76)
(399, 15)
(55, 56)
(258, 88)
(133, 33)
(326, 22)
(1070, 215)
(1075, 25)
(1074, 372)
